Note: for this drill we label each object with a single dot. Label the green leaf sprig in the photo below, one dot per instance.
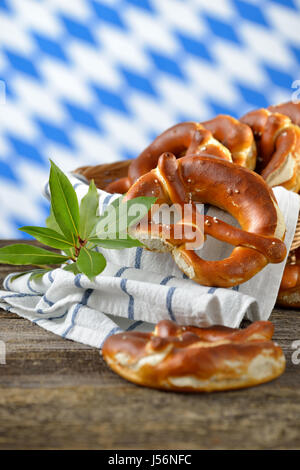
(76, 229)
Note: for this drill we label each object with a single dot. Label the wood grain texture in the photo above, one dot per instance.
(55, 393)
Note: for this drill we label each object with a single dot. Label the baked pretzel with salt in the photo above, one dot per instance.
(277, 136)
(239, 191)
(223, 137)
(192, 359)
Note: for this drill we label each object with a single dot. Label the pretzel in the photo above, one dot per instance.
(237, 190)
(236, 136)
(289, 292)
(223, 137)
(278, 144)
(192, 359)
(290, 109)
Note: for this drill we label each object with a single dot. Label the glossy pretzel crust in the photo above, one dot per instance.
(191, 359)
(239, 191)
(224, 137)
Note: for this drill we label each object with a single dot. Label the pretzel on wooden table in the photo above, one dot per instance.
(192, 359)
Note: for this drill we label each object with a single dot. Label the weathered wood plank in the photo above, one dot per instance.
(132, 417)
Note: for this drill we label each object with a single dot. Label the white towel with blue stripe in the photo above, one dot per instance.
(138, 288)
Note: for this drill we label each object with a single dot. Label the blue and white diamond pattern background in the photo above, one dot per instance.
(90, 81)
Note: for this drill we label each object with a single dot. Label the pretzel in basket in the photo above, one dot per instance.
(289, 292)
(285, 166)
(192, 359)
(238, 191)
(223, 137)
(290, 109)
(278, 144)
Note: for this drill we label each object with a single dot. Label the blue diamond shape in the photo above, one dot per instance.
(218, 108)
(251, 12)
(22, 64)
(4, 5)
(7, 172)
(145, 4)
(165, 64)
(78, 30)
(25, 149)
(19, 221)
(287, 3)
(112, 100)
(296, 51)
(223, 30)
(254, 97)
(139, 82)
(54, 133)
(194, 46)
(280, 78)
(9, 92)
(127, 155)
(48, 46)
(105, 13)
(81, 116)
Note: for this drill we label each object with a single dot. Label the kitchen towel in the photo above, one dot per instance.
(138, 288)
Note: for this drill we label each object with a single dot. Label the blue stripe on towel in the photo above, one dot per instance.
(77, 281)
(166, 280)
(134, 325)
(50, 277)
(169, 302)
(78, 306)
(50, 318)
(138, 257)
(131, 299)
(31, 288)
(47, 301)
(212, 290)
(120, 271)
(114, 330)
(236, 287)
(6, 281)
(17, 295)
(106, 201)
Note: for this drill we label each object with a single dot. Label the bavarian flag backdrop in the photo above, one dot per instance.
(90, 81)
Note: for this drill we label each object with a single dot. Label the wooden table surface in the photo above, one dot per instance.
(55, 393)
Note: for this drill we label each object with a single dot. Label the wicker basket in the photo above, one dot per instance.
(106, 173)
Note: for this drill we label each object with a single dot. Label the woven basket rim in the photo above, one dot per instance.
(296, 241)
